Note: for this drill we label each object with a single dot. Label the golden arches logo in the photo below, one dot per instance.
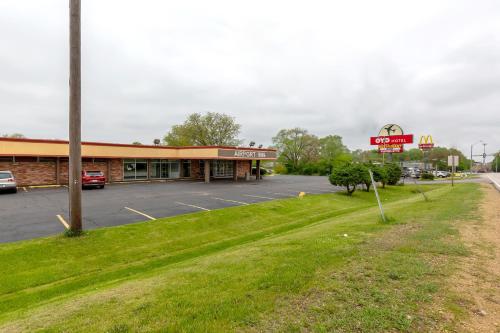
(426, 139)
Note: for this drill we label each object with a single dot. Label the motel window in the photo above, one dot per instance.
(164, 169)
(135, 169)
(218, 168)
(186, 168)
(223, 168)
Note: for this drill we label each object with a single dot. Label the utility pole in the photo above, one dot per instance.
(471, 158)
(484, 154)
(75, 150)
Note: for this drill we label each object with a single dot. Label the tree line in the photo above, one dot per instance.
(299, 151)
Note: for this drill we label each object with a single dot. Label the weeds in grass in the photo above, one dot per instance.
(73, 233)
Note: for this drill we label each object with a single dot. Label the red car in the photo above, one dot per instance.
(93, 179)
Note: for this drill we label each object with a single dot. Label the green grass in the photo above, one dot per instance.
(242, 268)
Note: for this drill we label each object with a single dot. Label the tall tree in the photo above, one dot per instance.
(332, 146)
(296, 147)
(495, 164)
(211, 129)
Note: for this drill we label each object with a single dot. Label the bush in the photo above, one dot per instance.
(427, 176)
(393, 173)
(349, 176)
(308, 170)
(281, 169)
(379, 174)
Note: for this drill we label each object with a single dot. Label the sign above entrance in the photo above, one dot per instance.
(247, 154)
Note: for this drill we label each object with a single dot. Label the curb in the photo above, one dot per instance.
(495, 184)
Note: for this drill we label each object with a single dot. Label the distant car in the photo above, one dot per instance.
(262, 171)
(93, 179)
(405, 172)
(441, 174)
(7, 182)
(414, 173)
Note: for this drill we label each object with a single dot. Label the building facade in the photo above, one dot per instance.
(45, 162)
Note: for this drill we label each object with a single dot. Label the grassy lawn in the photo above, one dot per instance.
(323, 262)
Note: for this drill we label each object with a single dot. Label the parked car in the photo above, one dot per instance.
(93, 179)
(414, 172)
(262, 171)
(441, 174)
(7, 182)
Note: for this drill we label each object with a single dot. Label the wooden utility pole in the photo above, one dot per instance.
(75, 151)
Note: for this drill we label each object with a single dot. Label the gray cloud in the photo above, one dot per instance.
(343, 68)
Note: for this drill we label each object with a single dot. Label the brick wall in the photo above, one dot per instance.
(31, 173)
(44, 173)
(195, 169)
(116, 169)
(242, 167)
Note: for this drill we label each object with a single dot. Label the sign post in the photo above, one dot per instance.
(453, 162)
(376, 194)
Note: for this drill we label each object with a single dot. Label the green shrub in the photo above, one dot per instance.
(427, 176)
(280, 169)
(393, 173)
(349, 176)
(308, 170)
(379, 174)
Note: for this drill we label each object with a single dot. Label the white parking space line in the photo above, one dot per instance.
(258, 196)
(285, 194)
(194, 206)
(233, 201)
(140, 213)
(63, 222)
(324, 191)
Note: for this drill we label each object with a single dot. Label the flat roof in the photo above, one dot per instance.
(60, 148)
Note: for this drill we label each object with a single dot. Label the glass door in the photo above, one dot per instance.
(174, 169)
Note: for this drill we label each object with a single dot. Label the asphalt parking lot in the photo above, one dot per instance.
(34, 213)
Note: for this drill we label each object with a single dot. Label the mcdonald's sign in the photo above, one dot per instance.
(426, 142)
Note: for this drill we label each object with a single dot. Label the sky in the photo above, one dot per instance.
(331, 67)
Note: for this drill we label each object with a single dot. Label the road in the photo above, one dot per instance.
(493, 178)
(34, 213)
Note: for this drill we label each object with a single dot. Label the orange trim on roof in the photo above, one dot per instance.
(90, 143)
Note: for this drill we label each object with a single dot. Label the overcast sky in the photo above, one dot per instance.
(332, 67)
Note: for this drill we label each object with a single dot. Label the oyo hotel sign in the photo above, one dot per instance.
(426, 142)
(391, 139)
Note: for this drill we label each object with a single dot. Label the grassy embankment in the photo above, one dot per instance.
(278, 265)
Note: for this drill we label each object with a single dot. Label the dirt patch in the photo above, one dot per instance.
(478, 278)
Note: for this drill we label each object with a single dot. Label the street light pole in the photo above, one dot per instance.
(471, 160)
(75, 153)
(484, 154)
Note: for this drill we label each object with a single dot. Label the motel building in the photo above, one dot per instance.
(45, 162)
